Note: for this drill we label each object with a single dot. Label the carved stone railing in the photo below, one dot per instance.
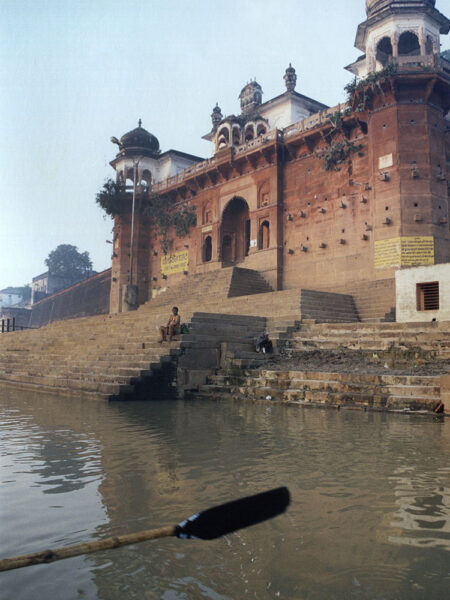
(314, 120)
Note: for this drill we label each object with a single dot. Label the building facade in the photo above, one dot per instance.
(334, 199)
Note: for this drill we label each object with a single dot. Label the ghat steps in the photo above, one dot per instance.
(111, 356)
(382, 392)
(431, 338)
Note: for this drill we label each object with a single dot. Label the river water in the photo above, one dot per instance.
(369, 519)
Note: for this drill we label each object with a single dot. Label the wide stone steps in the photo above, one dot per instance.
(346, 389)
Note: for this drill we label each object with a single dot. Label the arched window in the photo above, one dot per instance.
(236, 136)
(146, 178)
(384, 51)
(249, 133)
(207, 249)
(264, 235)
(408, 44)
(261, 130)
(130, 177)
(223, 138)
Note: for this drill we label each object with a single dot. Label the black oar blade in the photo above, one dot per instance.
(226, 518)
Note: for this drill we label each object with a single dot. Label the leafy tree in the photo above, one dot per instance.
(66, 261)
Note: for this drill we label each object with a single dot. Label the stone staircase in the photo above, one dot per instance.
(399, 347)
(326, 307)
(118, 356)
(376, 392)
(430, 340)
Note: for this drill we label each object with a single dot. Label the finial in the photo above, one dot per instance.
(290, 78)
(216, 116)
(140, 122)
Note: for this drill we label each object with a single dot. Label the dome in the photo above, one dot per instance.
(374, 6)
(140, 142)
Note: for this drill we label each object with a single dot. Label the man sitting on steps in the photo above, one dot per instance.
(172, 326)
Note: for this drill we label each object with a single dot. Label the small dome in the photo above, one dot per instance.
(139, 141)
(374, 6)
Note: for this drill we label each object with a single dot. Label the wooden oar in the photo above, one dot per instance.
(207, 525)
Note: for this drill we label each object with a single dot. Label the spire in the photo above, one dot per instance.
(290, 78)
(140, 122)
(216, 116)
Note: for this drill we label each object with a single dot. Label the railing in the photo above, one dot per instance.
(10, 325)
(403, 63)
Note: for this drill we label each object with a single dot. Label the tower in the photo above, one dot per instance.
(399, 32)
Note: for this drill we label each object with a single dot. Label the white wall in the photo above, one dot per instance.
(405, 283)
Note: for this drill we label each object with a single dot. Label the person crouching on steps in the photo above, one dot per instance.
(172, 326)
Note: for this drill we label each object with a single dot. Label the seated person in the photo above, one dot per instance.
(172, 326)
(263, 343)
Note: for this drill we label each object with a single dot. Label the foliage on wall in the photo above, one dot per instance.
(163, 215)
(357, 89)
(335, 154)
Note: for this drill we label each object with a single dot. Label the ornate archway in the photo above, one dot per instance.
(235, 231)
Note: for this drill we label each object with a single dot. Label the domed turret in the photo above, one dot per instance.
(375, 6)
(250, 97)
(138, 142)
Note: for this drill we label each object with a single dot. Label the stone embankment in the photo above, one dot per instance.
(385, 366)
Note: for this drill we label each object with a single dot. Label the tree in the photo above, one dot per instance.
(66, 261)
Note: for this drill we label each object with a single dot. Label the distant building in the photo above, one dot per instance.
(10, 296)
(45, 284)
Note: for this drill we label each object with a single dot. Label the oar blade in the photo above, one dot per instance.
(226, 518)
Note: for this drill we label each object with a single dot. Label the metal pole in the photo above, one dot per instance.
(7, 325)
(132, 220)
(14, 324)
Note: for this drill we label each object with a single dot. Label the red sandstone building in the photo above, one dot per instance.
(333, 199)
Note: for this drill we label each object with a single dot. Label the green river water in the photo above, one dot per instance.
(369, 519)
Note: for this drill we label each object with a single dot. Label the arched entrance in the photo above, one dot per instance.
(235, 233)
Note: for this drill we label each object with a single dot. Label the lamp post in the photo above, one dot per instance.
(131, 291)
(133, 208)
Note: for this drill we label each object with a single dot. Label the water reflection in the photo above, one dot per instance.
(369, 519)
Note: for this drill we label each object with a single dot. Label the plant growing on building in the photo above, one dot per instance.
(110, 197)
(335, 154)
(357, 89)
(163, 215)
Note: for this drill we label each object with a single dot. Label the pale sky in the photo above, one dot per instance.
(73, 73)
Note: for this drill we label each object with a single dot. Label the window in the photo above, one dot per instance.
(207, 249)
(264, 235)
(428, 296)
(408, 44)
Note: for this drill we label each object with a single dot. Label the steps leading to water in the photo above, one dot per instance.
(379, 392)
(111, 356)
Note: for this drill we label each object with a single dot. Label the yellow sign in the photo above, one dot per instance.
(404, 252)
(174, 263)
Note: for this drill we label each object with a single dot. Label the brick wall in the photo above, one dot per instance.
(88, 297)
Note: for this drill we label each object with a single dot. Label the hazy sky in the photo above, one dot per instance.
(75, 72)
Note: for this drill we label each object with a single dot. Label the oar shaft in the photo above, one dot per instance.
(47, 556)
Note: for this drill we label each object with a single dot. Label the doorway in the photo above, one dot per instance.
(235, 231)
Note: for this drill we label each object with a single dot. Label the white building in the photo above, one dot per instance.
(423, 293)
(10, 296)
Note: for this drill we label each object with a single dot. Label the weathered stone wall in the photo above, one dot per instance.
(86, 298)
